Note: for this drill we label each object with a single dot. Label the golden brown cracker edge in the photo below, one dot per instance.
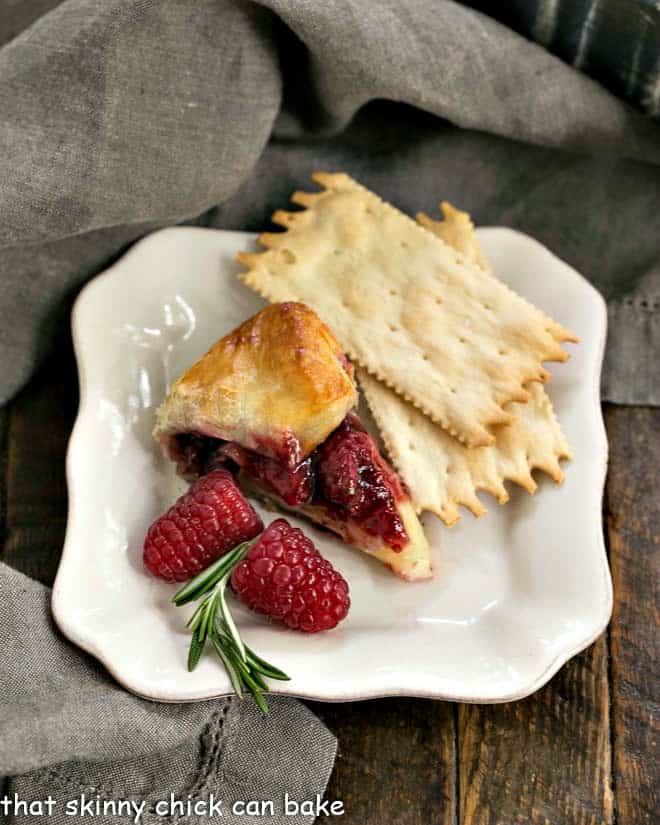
(273, 286)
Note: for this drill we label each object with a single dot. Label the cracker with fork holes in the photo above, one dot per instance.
(441, 472)
(457, 230)
(448, 337)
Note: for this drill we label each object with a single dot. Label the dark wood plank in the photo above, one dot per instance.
(545, 759)
(396, 762)
(633, 521)
(40, 421)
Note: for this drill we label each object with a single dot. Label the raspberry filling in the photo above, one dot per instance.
(354, 479)
(294, 486)
(345, 476)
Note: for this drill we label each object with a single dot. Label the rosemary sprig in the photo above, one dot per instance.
(212, 621)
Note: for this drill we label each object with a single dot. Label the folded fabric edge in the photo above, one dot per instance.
(630, 372)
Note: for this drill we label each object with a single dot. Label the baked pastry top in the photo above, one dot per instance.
(278, 385)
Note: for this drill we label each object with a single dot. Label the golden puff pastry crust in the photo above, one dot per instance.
(279, 385)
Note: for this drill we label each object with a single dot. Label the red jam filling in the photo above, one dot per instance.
(345, 475)
(354, 479)
(294, 486)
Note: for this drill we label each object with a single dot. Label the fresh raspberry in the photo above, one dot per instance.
(285, 577)
(211, 518)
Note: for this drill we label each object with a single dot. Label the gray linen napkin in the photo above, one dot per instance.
(615, 41)
(68, 729)
(118, 116)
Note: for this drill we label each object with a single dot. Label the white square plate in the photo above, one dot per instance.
(515, 594)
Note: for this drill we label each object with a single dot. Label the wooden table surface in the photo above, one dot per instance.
(584, 749)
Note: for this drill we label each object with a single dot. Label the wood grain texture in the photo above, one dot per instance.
(545, 759)
(633, 521)
(396, 762)
(40, 421)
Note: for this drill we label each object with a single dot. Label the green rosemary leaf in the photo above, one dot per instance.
(264, 667)
(194, 620)
(223, 637)
(251, 678)
(259, 680)
(195, 651)
(212, 619)
(254, 684)
(213, 610)
(249, 675)
(228, 620)
(201, 584)
(208, 578)
(203, 627)
(229, 667)
(261, 702)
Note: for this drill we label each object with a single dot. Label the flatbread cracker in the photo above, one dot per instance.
(457, 230)
(442, 473)
(406, 306)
